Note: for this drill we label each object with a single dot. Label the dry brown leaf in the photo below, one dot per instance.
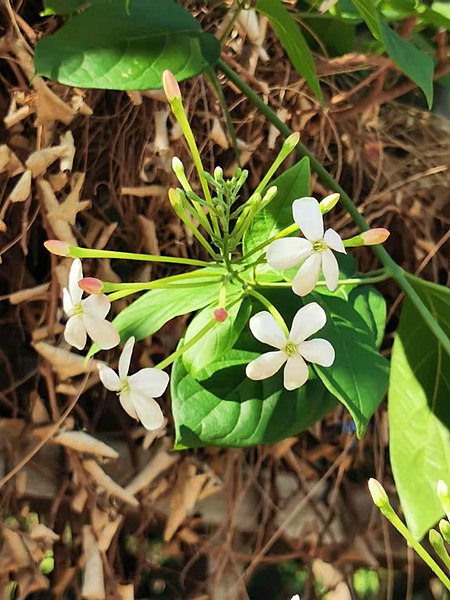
(144, 191)
(65, 363)
(9, 162)
(107, 533)
(160, 463)
(150, 237)
(66, 140)
(14, 117)
(79, 500)
(40, 160)
(106, 482)
(218, 134)
(39, 412)
(126, 592)
(41, 533)
(83, 442)
(161, 140)
(93, 587)
(58, 181)
(18, 552)
(184, 497)
(2, 226)
(80, 106)
(49, 107)
(5, 157)
(38, 292)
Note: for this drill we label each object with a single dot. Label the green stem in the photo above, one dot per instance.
(230, 125)
(123, 293)
(391, 266)
(163, 283)
(392, 517)
(271, 308)
(353, 281)
(77, 252)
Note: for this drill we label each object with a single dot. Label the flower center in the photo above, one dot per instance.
(319, 246)
(77, 309)
(290, 349)
(125, 387)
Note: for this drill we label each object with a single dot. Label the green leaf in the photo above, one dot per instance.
(230, 410)
(417, 65)
(216, 343)
(291, 37)
(337, 34)
(359, 375)
(419, 409)
(150, 312)
(108, 47)
(292, 184)
(371, 305)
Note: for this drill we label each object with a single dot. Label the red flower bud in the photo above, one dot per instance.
(220, 315)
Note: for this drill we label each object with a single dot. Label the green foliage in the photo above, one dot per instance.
(292, 39)
(419, 410)
(111, 47)
(370, 304)
(292, 184)
(413, 62)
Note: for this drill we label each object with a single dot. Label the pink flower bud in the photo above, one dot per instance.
(375, 236)
(57, 247)
(220, 315)
(91, 285)
(171, 87)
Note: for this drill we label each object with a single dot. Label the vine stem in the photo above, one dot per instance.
(353, 281)
(395, 271)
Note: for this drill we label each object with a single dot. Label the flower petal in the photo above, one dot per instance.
(307, 321)
(295, 373)
(67, 302)
(334, 241)
(309, 218)
(125, 358)
(109, 378)
(330, 269)
(75, 274)
(288, 252)
(101, 332)
(149, 382)
(308, 274)
(148, 411)
(265, 365)
(318, 351)
(266, 330)
(96, 306)
(127, 405)
(75, 332)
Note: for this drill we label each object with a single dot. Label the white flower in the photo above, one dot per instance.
(86, 317)
(315, 249)
(136, 392)
(292, 350)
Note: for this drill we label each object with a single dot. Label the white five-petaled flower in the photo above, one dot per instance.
(293, 349)
(315, 249)
(86, 317)
(136, 392)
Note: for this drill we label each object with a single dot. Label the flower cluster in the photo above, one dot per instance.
(87, 318)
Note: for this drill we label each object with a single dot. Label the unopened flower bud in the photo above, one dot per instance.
(328, 203)
(218, 174)
(91, 285)
(270, 195)
(170, 85)
(177, 165)
(174, 198)
(290, 142)
(444, 497)
(375, 236)
(57, 247)
(379, 496)
(220, 315)
(438, 544)
(444, 527)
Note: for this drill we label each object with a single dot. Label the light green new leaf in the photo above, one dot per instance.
(291, 37)
(292, 184)
(230, 410)
(419, 409)
(417, 65)
(359, 374)
(202, 359)
(108, 47)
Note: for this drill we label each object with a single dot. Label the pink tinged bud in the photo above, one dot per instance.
(57, 247)
(170, 85)
(91, 285)
(379, 496)
(375, 236)
(220, 315)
